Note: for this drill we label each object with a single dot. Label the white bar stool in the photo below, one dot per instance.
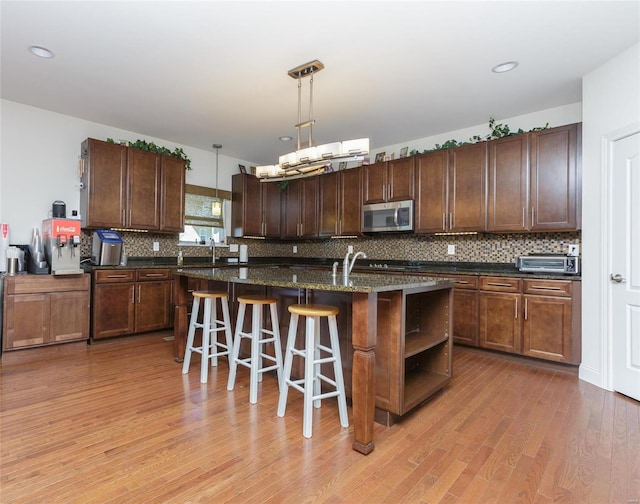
(310, 385)
(211, 348)
(254, 361)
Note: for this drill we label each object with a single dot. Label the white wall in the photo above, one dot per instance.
(39, 162)
(611, 102)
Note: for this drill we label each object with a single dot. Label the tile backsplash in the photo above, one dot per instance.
(492, 248)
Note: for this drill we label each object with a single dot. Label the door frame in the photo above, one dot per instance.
(608, 146)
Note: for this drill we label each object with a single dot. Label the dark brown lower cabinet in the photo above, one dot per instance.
(465, 310)
(500, 325)
(130, 301)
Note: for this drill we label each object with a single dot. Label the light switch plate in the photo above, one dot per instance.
(156, 246)
(451, 249)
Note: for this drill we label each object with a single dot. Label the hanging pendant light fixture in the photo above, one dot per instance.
(310, 159)
(216, 206)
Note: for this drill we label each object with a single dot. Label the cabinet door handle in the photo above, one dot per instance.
(526, 308)
(444, 221)
(139, 293)
(133, 294)
(556, 289)
(533, 213)
(516, 309)
(117, 276)
(450, 221)
(149, 275)
(495, 284)
(461, 282)
(523, 221)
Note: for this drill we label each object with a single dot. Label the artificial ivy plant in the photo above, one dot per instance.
(497, 131)
(158, 149)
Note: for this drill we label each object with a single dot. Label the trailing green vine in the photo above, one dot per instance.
(497, 131)
(178, 152)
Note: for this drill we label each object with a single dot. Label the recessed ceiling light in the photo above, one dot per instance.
(41, 52)
(504, 67)
(285, 138)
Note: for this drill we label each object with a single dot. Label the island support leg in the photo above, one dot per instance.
(363, 328)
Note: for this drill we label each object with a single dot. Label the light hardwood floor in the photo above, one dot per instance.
(118, 423)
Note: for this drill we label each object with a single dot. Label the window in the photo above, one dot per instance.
(205, 216)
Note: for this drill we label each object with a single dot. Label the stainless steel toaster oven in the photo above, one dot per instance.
(553, 264)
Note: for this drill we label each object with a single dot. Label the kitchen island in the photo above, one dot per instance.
(408, 317)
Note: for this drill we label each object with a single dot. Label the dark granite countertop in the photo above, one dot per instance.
(318, 279)
(361, 266)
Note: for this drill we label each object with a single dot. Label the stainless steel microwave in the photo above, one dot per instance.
(394, 216)
(558, 264)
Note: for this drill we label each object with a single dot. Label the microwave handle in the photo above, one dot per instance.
(395, 216)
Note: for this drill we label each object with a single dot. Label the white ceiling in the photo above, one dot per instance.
(198, 73)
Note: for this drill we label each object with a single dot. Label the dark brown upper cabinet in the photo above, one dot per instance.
(388, 181)
(339, 199)
(300, 208)
(255, 207)
(555, 194)
(451, 190)
(130, 188)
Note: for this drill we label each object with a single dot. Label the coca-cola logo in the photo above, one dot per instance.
(66, 229)
(5, 230)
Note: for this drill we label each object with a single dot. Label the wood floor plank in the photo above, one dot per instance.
(119, 422)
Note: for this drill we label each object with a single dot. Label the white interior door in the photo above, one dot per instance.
(624, 269)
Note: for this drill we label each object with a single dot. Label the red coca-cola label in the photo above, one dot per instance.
(5, 230)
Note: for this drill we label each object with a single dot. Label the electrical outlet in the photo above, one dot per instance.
(233, 247)
(156, 246)
(350, 249)
(573, 250)
(295, 249)
(451, 249)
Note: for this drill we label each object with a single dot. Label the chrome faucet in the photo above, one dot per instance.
(213, 251)
(348, 266)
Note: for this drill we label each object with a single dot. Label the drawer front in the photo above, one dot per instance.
(114, 276)
(500, 284)
(37, 284)
(153, 274)
(465, 282)
(560, 288)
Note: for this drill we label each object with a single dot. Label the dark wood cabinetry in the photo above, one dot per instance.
(465, 309)
(520, 183)
(130, 301)
(534, 181)
(388, 181)
(508, 208)
(500, 325)
(255, 207)
(555, 178)
(300, 208)
(340, 194)
(44, 310)
(172, 194)
(130, 188)
(451, 190)
(551, 321)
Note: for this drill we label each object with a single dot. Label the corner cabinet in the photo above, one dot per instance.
(129, 188)
(127, 301)
(255, 207)
(413, 359)
(44, 310)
